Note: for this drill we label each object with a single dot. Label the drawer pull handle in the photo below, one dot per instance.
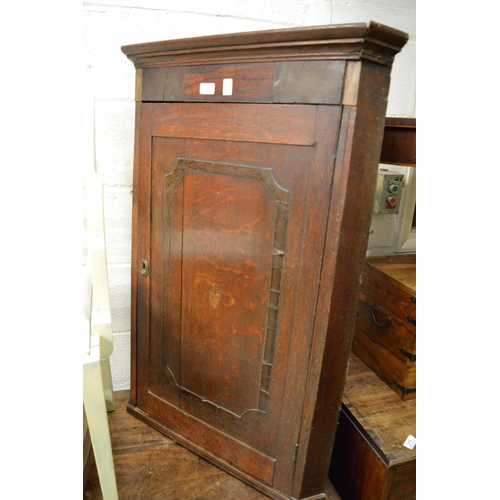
(380, 325)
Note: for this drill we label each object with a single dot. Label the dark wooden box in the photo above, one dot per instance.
(369, 460)
(385, 334)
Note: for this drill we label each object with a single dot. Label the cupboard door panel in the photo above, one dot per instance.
(228, 232)
(228, 220)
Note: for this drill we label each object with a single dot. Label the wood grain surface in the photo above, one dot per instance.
(151, 466)
(369, 460)
(256, 155)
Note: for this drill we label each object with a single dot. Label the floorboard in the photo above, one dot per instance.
(150, 466)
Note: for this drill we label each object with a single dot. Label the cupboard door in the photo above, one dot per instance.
(236, 199)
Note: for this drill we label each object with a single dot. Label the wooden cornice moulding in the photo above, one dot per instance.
(372, 41)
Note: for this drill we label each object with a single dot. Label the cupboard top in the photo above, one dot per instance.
(372, 41)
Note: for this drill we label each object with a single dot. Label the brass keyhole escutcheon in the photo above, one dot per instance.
(143, 267)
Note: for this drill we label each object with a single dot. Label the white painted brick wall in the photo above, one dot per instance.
(109, 79)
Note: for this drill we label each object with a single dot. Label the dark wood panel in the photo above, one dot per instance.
(388, 300)
(356, 471)
(292, 125)
(397, 331)
(403, 485)
(348, 225)
(252, 83)
(369, 461)
(161, 84)
(385, 335)
(141, 231)
(316, 248)
(287, 174)
(387, 350)
(400, 141)
(177, 423)
(226, 218)
(281, 158)
(309, 82)
(306, 82)
(134, 299)
(165, 255)
(287, 163)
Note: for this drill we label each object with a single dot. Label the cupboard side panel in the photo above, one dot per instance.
(308, 267)
(345, 252)
(133, 295)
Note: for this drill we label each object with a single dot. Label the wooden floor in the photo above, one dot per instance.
(150, 466)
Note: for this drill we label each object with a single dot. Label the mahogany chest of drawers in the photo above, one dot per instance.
(255, 161)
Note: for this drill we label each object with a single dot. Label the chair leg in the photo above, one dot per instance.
(107, 383)
(97, 418)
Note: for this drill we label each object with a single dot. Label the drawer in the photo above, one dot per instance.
(273, 82)
(395, 332)
(389, 350)
(389, 283)
(390, 301)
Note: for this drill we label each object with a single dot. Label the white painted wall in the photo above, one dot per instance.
(109, 78)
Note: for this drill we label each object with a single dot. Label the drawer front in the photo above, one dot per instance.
(391, 301)
(394, 334)
(398, 374)
(389, 350)
(306, 82)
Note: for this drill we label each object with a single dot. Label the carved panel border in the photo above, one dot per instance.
(281, 197)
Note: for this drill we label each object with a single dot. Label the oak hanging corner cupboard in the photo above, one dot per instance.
(255, 161)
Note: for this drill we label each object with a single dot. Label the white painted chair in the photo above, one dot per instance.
(98, 340)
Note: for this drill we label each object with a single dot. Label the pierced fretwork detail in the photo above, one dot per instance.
(274, 299)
